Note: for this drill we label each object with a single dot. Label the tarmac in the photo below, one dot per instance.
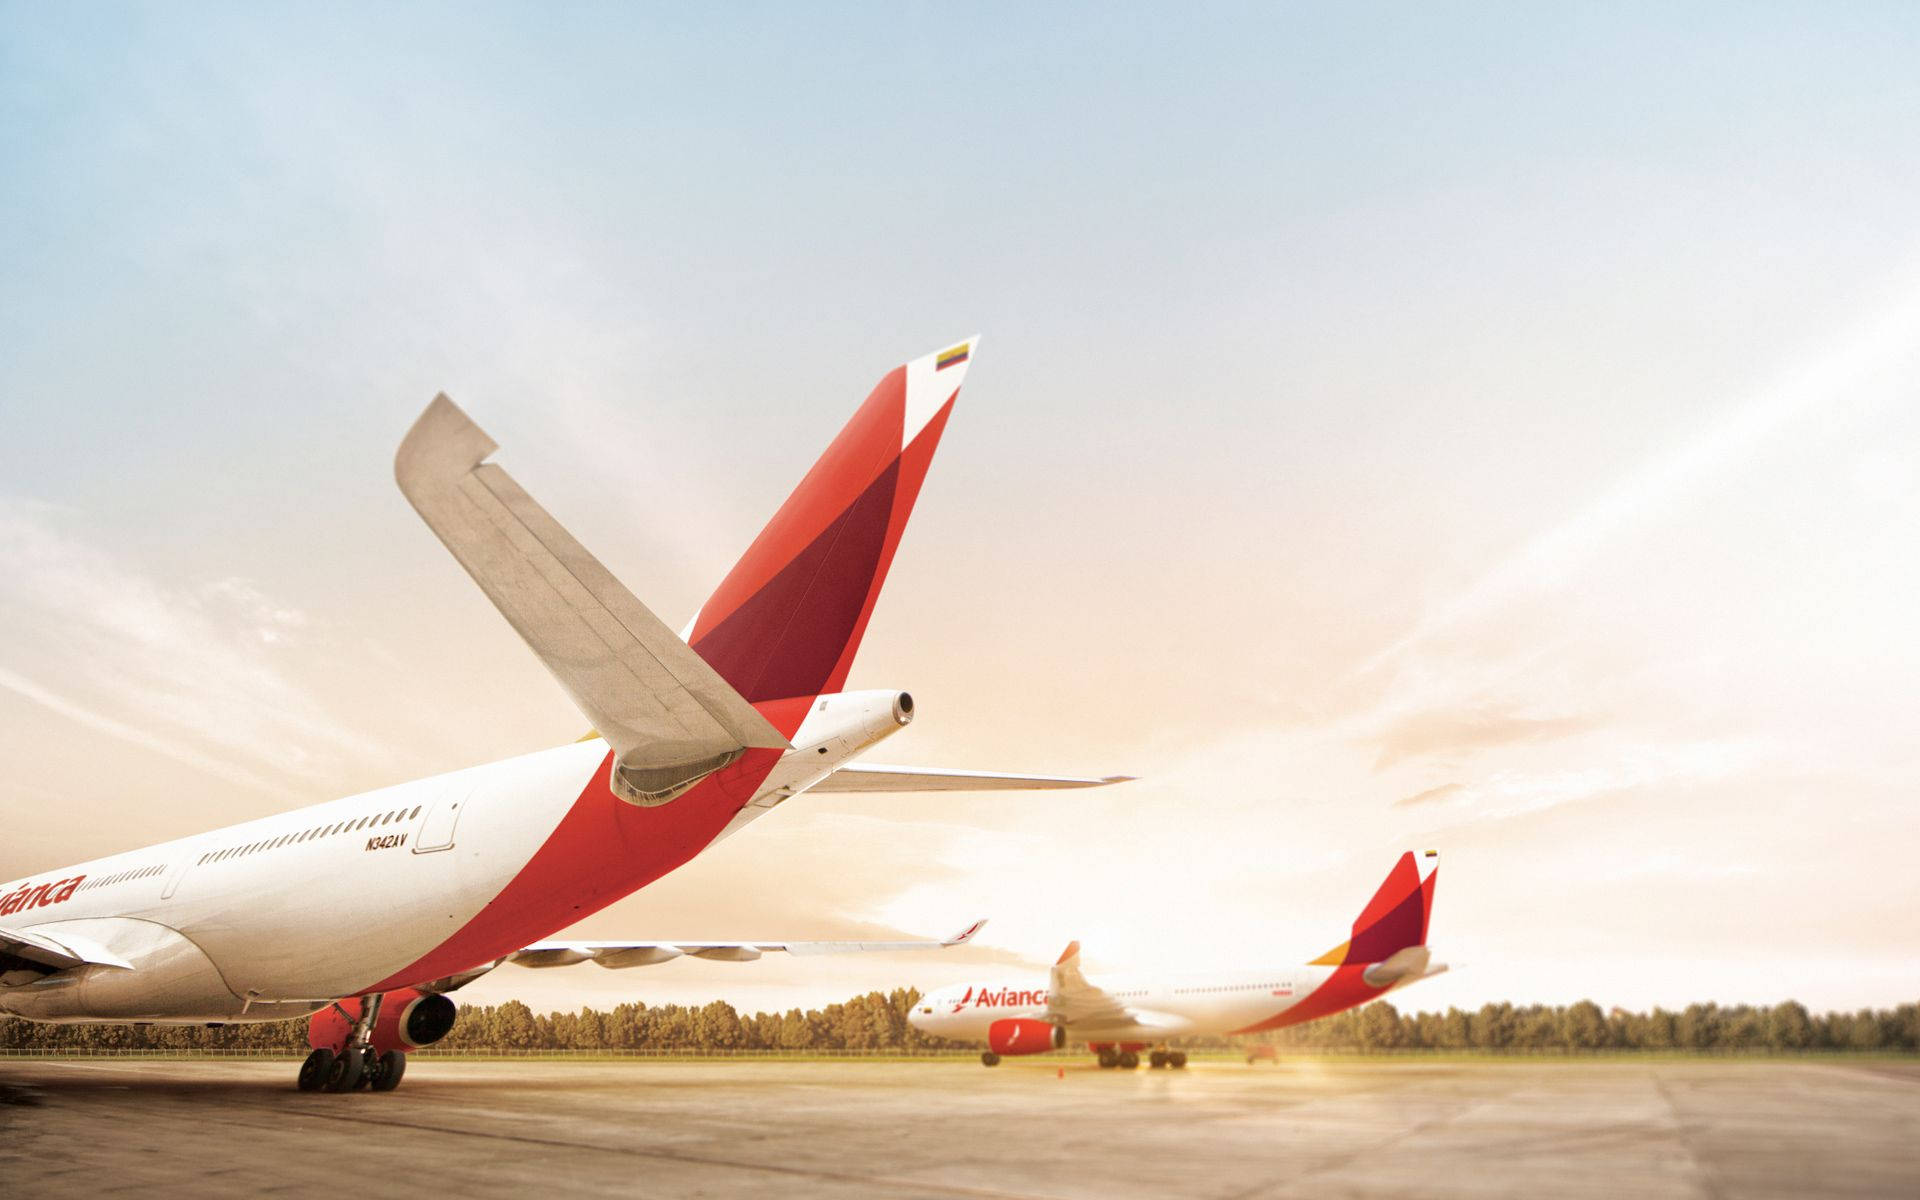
(1054, 1127)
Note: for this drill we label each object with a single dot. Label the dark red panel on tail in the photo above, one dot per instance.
(785, 639)
(1394, 919)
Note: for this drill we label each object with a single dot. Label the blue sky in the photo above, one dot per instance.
(1501, 406)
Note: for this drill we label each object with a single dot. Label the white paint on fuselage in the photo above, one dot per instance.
(307, 916)
(1168, 1006)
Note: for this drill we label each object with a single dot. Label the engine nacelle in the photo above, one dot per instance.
(1024, 1035)
(408, 1020)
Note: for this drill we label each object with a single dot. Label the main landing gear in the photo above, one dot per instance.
(1126, 1056)
(357, 1065)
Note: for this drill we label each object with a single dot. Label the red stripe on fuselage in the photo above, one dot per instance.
(1343, 989)
(602, 850)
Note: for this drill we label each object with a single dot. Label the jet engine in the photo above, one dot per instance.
(1024, 1035)
(408, 1020)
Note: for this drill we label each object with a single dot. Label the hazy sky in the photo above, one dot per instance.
(1478, 428)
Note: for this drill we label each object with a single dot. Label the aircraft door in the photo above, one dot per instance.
(436, 829)
(175, 873)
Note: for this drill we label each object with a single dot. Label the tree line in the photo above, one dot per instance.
(878, 1021)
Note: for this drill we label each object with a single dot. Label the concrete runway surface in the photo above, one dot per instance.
(946, 1128)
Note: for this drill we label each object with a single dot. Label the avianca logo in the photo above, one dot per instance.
(29, 896)
(1004, 998)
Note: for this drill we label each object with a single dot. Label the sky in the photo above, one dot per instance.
(1488, 429)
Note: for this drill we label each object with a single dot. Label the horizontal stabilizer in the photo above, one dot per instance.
(617, 955)
(668, 715)
(872, 777)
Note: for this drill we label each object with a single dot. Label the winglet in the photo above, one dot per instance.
(965, 935)
(1069, 954)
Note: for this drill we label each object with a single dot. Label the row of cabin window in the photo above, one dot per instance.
(399, 814)
(1232, 987)
(122, 877)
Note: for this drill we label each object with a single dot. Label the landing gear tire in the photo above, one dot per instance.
(1129, 1060)
(1109, 1059)
(1157, 1059)
(314, 1071)
(1176, 1059)
(989, 1059)
(346, 1070)
(387, 1070)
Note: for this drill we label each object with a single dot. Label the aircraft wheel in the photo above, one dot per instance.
(1129, 1060)
(1176, 1058)
(313, 1072)
(1157, 1059)
(1109, 1058)
(989, 1059)
(387, 1070)
(347, 1069)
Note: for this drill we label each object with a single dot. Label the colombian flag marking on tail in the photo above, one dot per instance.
(951, 358)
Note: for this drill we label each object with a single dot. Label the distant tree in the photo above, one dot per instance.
(1789, 1027)
(1698, 1027)
(1582, 1027)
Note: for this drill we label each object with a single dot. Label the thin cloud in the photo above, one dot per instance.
(1461, 731)
(1431, 796)
(27, 689)
(193, 673)
(1548, 562)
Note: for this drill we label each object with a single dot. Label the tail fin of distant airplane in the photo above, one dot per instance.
(786, 621)
(1396, 917)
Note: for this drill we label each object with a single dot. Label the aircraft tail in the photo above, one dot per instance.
(1395, 919)
(786, 621)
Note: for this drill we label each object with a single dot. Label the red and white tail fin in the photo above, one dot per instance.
(786, 621)
(1395, 918)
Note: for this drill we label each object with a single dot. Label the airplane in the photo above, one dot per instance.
(363, 913)
(1388, 950)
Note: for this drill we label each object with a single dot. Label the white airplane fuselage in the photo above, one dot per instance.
(276, 917)
(1387, 950)
(1165, 1006)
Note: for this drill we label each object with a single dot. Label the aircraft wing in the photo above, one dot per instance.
(872, 777)
(42, 955)
(616, 955)
(1075, 1003)
(670, 718)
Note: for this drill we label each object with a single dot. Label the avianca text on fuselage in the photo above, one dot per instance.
(29, 895)
(1005, 997)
